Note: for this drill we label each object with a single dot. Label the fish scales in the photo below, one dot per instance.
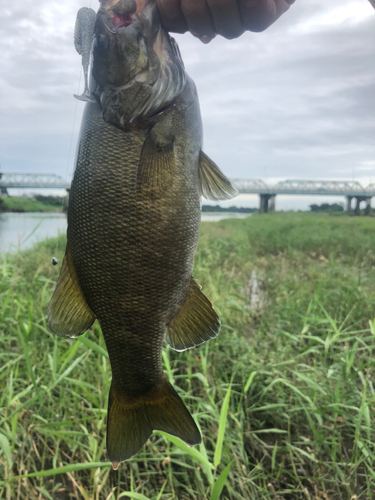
(133, 223)
(143, 247)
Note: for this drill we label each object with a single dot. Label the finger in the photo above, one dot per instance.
(198, 18)
(226, 18)
(257, 15)
(172, 17)
(282, 6)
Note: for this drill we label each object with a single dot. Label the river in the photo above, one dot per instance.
(21, 230)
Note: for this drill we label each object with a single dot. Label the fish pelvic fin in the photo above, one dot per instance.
(195, 323)
(213, 183)
(130, 423)
(68, 312)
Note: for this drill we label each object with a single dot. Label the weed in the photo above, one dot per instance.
(284, 396)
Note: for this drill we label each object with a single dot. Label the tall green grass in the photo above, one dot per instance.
(284, 396)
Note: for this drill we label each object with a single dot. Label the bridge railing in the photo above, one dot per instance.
(312, 185)
(25, 180)
(305, 187)
(250, 186)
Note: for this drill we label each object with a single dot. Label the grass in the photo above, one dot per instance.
(284, 396)
(15, 204)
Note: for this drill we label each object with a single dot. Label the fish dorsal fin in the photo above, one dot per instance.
(68, 313)
(214, 184)
(195, 323)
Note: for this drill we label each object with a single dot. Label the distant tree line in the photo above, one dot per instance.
(218, 208)
(55, 201)
(326, 207)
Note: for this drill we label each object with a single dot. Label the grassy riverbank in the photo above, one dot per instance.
(44, 204)
(296, 296)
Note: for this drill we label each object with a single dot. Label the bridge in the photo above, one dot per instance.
(267, 194)
(24, 180)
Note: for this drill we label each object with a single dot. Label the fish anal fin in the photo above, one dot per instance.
(130, 423)
(157, 166)
(195, 323)
(214, 184)
(68, 313)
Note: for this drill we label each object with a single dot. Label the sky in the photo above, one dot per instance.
(294, 102)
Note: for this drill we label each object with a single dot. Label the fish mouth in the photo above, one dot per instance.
(122, 13)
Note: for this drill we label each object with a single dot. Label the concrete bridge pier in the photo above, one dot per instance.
(349, 205)
(359, 199)
(368, 206)
(267, 203)
(272, 203)
(357, 206)
(263, 206)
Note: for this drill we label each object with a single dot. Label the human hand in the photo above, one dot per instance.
(229, 18)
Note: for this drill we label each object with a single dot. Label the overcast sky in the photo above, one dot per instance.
(297, 101)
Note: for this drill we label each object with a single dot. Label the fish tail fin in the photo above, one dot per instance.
(130, 423)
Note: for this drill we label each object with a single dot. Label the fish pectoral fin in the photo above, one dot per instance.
(129, 425)
(213, 183)
(157, 163)
(195, 323)
(68, 313)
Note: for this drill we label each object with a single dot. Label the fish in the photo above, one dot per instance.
(133, 223)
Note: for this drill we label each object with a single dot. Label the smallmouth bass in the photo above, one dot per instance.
(133, 220)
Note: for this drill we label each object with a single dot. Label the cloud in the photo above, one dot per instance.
(294, 101)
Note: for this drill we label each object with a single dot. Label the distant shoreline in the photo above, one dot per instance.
(233, 209)
(20, 211)
(14, 204)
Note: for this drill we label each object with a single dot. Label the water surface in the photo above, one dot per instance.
(216, 216)
(22, 230)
